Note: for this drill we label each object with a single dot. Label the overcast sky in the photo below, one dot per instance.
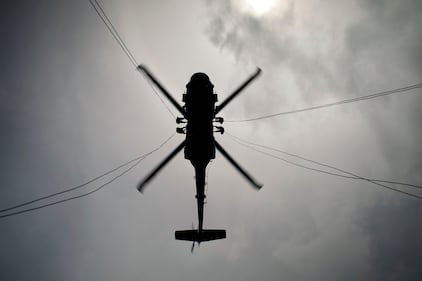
(72, 106)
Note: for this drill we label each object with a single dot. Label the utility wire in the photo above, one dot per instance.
(372, 96)
(80, 185)
(322, 164)
(288, 161)
(106, 20)
(158, 95)
(352, 175)
(103, 16)
(71, 188)
(138, 160)
(101, 13)
(74, 197)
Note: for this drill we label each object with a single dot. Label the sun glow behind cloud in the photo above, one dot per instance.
(260, 7)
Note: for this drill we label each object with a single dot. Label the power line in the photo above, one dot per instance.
(101, 13)
(351, 175)
(322, 164)
(371, 96)
(158, 95)
(83, 184)
(138, 160)
(106, 20)
(74, 197)
(288, 161)
(71, 188)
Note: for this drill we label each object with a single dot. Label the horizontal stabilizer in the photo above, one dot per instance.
(204, 235)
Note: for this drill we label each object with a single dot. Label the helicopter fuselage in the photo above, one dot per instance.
(199, 112)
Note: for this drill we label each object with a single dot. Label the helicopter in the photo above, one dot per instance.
(199, 114)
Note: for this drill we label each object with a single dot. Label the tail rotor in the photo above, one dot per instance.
(193, 242)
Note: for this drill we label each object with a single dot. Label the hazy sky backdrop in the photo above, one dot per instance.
(72, 106)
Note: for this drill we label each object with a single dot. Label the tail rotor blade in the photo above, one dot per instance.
(154, 172)
(238, 90)
(192, 248)
(162, 89)
(237, 166)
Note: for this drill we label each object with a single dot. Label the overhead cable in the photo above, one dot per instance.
(137, 159)
(251, 145)
(106, 20)
(101, 13)
(371, 96)
(322, 164)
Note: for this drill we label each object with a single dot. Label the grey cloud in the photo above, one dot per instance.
(73, 107)
(347, 48)
(325, 49)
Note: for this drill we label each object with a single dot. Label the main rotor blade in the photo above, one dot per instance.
(238, 90)
(144, 182)
(162, 89)
(237, 166)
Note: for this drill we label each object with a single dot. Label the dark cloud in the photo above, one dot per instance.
(394, 239)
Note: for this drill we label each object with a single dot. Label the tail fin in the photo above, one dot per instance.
(204, 235)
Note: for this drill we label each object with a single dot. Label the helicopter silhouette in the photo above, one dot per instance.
(199, 114)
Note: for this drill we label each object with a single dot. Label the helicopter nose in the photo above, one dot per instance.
(200, 77)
